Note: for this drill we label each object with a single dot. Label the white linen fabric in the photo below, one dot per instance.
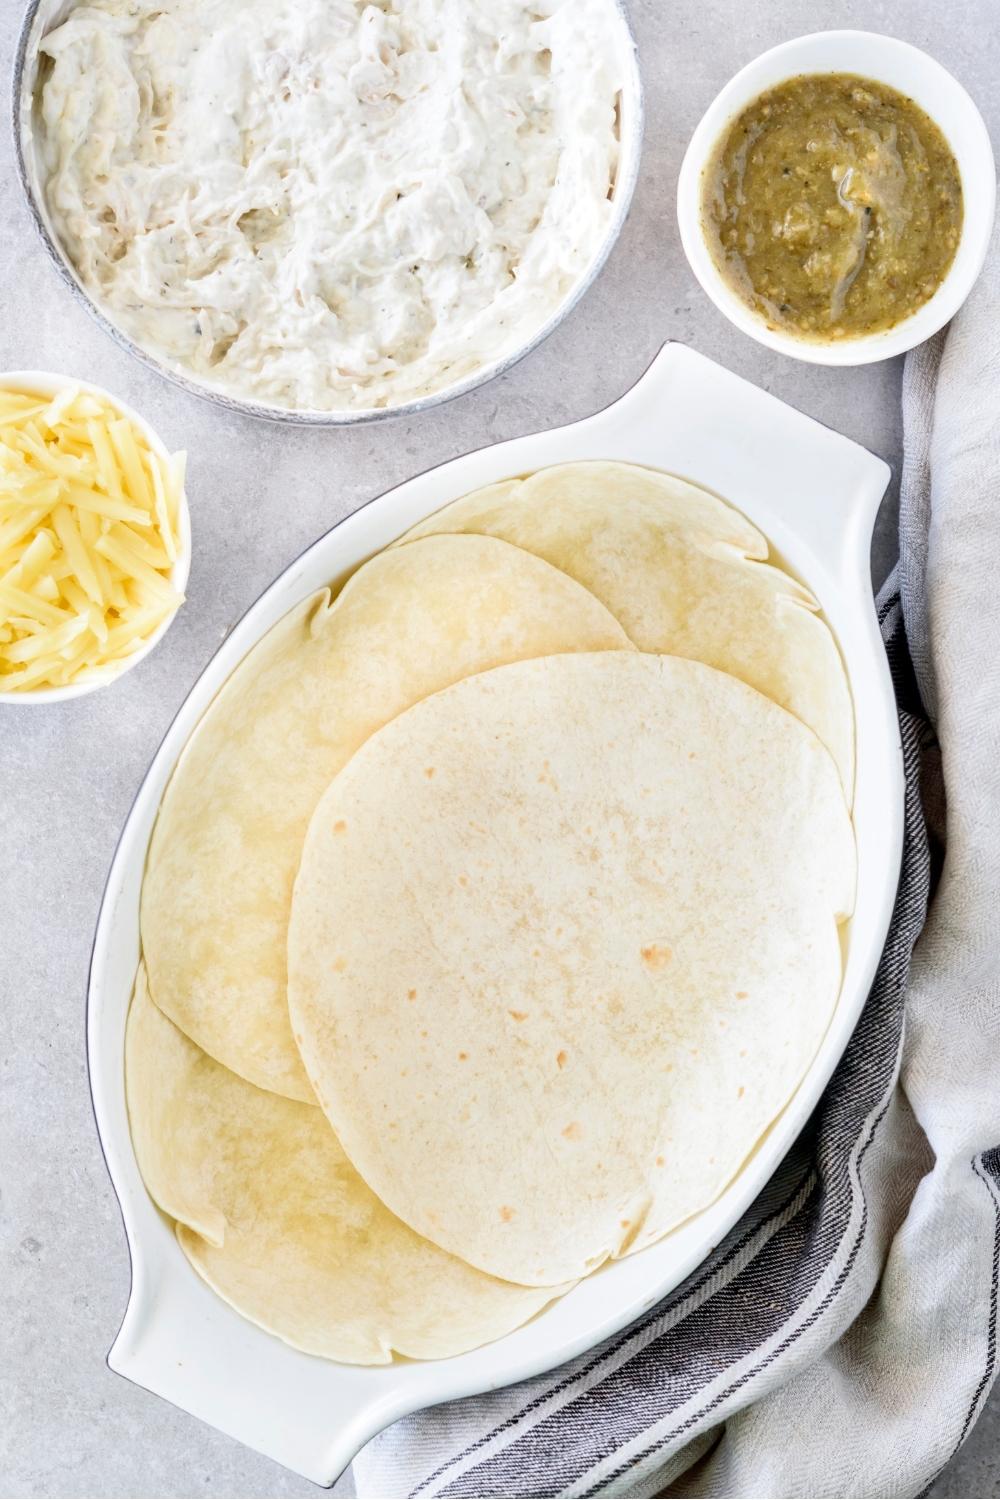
(843, 1339)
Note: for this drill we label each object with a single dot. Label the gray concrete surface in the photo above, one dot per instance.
(258, 496)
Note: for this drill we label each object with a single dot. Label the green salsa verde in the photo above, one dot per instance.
(833, 206)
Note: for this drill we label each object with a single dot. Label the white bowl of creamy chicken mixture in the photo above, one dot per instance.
(329, 209)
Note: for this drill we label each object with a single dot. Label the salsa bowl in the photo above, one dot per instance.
(913, 74)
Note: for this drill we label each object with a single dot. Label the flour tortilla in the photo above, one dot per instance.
(272, 1215)
(226, 846)
(685, 574)
(564, 940)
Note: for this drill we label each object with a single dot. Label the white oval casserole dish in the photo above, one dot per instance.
(815, 495)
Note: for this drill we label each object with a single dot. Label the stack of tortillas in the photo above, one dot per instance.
(492, 913)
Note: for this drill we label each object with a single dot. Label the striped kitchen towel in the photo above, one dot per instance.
(843, 1339)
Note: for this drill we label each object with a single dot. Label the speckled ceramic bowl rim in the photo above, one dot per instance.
(900, 65)
(631, 133)
(49, 384)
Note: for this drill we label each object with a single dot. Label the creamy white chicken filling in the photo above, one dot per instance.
(326, 204)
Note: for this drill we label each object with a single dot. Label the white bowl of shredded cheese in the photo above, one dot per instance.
(324, 211)
(95, 537)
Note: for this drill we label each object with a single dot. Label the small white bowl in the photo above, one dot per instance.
(49, 385)
(889, 61)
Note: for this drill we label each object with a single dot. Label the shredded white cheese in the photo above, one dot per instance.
(325, 204)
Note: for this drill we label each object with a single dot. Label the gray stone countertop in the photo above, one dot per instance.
(259, 495)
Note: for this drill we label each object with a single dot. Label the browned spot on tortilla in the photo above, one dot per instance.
(740, 1092)
(339, 965)
(506, 1214)
(340, 826)
(741, 995)
(743, 1052)
(624, 1223)
(573, 1131)
(661, 1161)
(518, 1015)
(429, 772)
(561, 1059)
(411, 994)
(656, 956)
(463, 1057)
(463, 880)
